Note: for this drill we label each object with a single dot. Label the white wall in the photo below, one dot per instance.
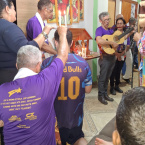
(102, 7)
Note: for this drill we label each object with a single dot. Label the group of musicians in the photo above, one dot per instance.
(111, 64)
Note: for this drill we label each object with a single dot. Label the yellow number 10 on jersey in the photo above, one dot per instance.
(72, 96)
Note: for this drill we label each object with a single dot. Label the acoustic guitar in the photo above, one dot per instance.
(117, 37)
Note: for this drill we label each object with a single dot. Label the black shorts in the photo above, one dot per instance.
(70, 135)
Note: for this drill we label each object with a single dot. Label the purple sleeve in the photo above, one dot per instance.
(98, 32)
(128, 41)
(33, 29)
(52, 76)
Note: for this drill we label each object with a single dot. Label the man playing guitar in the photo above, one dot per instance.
(106, 61)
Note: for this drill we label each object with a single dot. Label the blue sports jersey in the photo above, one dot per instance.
(71, 93)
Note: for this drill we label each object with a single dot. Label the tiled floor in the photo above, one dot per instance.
(97, 115)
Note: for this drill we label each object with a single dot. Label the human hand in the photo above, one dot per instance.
(137, 37)
(114, 45)
(62, 30)
(47, 29)
(99, 141)
(1, 123)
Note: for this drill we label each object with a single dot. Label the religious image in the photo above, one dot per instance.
(76, 10)
(63, 6)
(81, 9)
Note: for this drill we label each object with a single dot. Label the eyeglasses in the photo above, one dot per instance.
(49, 10)
(107, 20)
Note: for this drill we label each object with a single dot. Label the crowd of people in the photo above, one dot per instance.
(35, 90)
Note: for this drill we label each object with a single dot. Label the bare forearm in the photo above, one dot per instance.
(48, 48)
(40, 40)
(63, 48)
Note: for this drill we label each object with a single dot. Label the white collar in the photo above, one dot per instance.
(40, 20)
(24, 72)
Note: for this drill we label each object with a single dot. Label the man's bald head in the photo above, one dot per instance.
(119, 16)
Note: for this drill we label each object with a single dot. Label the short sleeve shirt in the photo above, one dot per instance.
(27, 107)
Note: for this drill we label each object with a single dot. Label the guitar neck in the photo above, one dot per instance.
(126, 32)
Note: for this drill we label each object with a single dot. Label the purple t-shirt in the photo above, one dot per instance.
(33, 28)
(27, 107)
(100, 31)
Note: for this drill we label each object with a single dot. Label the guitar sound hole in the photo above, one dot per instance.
(109, 45)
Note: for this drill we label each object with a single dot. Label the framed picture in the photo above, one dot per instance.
(81, 9)
(64, 7)
(53, 20)
(75, 11)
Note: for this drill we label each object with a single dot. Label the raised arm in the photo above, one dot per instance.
(41, 38)
(63, 44)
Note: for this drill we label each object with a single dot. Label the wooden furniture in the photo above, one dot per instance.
(92, 55)
(80, 34)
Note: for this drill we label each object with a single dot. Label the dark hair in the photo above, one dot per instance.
(132, 20)
(68, 36)
(130, 117)
(43, 3)
(124, 22)
(3, 4)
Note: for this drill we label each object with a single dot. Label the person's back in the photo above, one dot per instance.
(27, 110)
(27, 103)
(71, 94)
(76, 80)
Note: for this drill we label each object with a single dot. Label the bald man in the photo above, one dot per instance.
(119, 16)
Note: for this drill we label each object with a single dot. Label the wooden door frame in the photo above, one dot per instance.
(115, 10)
(132, 2)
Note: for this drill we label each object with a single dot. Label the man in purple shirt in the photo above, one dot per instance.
(36, 24)
(27, 103)
(106, 61)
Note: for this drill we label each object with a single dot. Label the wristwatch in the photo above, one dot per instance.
(44, 34)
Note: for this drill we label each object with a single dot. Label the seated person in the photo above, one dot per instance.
(130, 128)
